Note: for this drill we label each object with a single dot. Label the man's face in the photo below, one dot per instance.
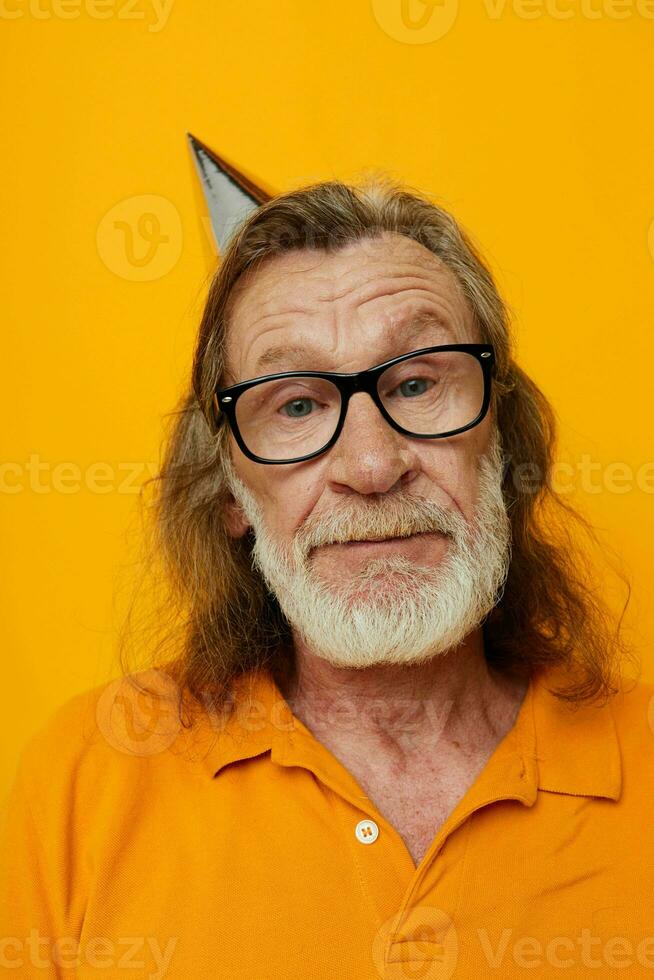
(351, 310)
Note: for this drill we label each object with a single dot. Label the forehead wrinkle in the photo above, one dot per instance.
(404, 278)
(418, 328)
(269, 327)
(396, 283)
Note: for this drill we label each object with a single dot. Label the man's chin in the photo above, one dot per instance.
(379, 579)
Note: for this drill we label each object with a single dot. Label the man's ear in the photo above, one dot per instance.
(235, 521)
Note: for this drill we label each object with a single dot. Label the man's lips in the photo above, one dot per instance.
(378, 544)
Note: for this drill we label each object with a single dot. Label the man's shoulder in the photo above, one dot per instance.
(67, 732)
(114, 726)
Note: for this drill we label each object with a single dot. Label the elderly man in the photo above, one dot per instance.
(395, 740)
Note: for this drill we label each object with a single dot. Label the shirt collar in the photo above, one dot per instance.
(551, 746)
(577, 749)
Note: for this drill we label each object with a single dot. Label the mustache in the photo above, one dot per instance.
(398, 517)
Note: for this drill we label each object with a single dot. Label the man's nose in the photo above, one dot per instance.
(370, 456)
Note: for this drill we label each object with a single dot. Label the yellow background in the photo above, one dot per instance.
(530, 121)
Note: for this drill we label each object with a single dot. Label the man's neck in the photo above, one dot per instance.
(452, 705)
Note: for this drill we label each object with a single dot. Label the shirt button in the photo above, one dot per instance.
(366, 831)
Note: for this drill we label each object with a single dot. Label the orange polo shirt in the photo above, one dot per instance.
(246, 851)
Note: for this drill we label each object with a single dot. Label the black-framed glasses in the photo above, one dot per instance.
(429, 393)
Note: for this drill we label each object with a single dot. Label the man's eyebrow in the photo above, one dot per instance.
(283, 354)
(412, 330)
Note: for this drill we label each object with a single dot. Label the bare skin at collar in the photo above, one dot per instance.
(398, 717)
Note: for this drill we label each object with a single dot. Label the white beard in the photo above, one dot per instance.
(392, 610)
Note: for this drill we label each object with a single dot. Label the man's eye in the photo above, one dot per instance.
(298, 408)
(414, 386)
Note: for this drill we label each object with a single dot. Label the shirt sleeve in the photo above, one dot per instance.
(36, 934)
